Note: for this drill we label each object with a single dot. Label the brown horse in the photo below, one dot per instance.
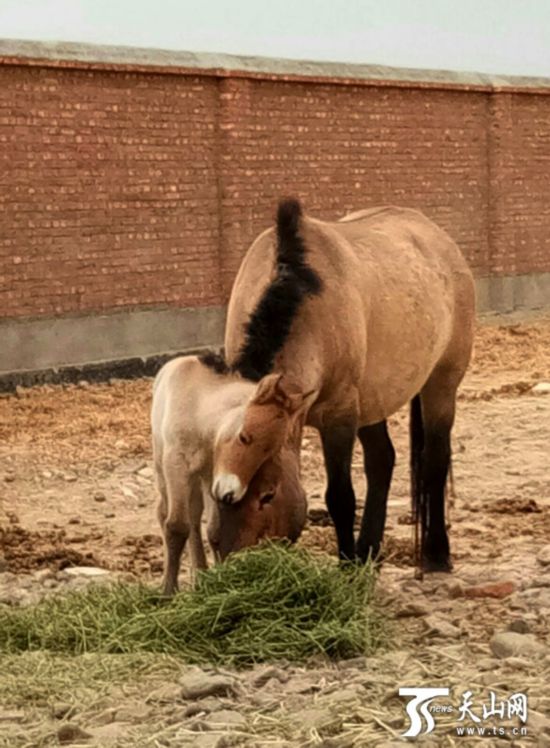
(274, 506)
(365, 315)
(198, 409)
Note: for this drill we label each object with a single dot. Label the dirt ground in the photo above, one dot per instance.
(76, 488)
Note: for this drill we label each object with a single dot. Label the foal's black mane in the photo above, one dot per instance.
(269, 325)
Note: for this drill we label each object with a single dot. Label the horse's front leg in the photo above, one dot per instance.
(338, 440)
(379, 459)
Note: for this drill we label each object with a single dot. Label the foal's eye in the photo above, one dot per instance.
(267, 497)
(244, 438)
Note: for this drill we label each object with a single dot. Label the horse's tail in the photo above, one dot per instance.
(418, 497)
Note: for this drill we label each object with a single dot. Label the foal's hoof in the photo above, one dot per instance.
(437, 564)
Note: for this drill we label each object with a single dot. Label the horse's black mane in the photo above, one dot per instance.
(215, 361)
(269, 325)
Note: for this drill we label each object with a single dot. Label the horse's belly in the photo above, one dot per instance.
(399, 362)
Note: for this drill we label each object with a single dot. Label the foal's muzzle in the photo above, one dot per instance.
(228, 489)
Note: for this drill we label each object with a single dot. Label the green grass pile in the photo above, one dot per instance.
(264, 604)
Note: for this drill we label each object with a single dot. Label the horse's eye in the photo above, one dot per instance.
(267, 497)
(244, 438)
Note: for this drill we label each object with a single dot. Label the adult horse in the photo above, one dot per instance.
(366, 314)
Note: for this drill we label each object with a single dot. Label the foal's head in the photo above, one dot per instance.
(274, 506)
(267, 422)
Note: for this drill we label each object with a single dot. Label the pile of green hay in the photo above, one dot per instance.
(264, 604)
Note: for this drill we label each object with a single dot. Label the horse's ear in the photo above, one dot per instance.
(289, 394)
(282, 390)
(267, 389)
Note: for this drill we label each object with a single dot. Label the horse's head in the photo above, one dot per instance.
(268, 420)
(274, 506)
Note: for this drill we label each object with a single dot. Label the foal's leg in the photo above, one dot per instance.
(438, 409)
(196, 547)
(176, 519)
(338, 440)
(379, 456)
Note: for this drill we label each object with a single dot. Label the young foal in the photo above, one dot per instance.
(365, 314)
(197, 410)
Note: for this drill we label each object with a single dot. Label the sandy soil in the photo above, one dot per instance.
(76, 487)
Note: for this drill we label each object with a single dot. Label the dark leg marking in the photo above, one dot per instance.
(416, 433)
(379, 457)
(338, 440)
(435, 465)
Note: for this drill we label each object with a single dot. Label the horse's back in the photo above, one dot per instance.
(397, 298)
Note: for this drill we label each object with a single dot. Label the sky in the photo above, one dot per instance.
(509, 37)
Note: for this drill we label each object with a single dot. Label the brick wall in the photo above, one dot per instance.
(124, 188)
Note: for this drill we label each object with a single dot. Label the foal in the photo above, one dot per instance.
(198, 408)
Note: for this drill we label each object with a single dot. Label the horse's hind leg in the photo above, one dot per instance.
(379, 456)
(338, 440)
(438, 398)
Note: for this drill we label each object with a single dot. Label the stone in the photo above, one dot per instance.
(127, 491)
(266, 674)
(166, 694)
(90, 572)
(70, 477)
(412, 610)
(543, 556)
(317, 719)
(99, 496)
(497, 591)
(198, 685)
(519, 626)
(224, 719)
(511, 644)
(62, 711)
(440, 627)
(70, 733)
(541, 388)
(146, 472)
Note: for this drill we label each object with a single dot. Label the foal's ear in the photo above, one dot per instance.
(280, 389)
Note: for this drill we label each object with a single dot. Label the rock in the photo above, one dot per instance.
(497, 591)
(42, 574)
(9, 477)
(539, 724)
(510, 643)
(354, 663)
(111, 733)
(70, 477)
(224, 719)
(47, 474)
(166, 694)
(61, 711)
(541, 388)
(260, 679)
(317, 719)
(70, 733)
(127, 491)
(146, 472)
(197, 685)
(99, 496)
(90, 572)
(543, 556)
(202, 706)
(412, 610)
(519, 626)
(74, 521)
(440, 627)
